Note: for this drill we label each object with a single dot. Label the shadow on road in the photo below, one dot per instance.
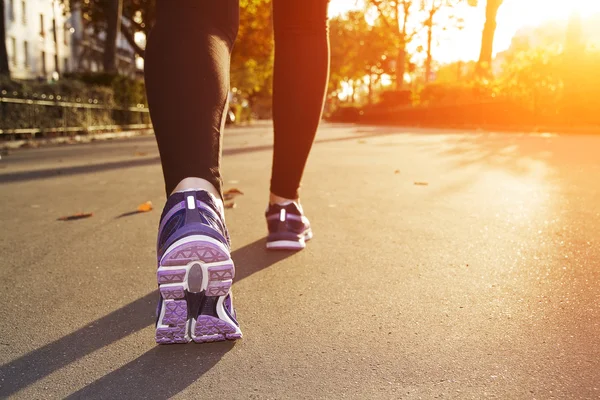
(22, 176)
(75, 170)
(159, 373)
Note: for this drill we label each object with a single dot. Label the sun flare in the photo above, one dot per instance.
(512, 16)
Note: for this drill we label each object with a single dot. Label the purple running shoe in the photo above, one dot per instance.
(195, 272)
(288, 228)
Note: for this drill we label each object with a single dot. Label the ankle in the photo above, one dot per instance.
(274, 199)
(197, 184)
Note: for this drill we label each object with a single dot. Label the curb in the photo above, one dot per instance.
(34, 143)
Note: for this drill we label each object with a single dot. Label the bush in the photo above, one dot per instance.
(102, 89)
(126, 91)
(349, 114)
(436, 94)
(396, 98)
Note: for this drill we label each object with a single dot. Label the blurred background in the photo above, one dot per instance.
(76, 66)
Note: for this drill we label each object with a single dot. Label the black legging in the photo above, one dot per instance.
(187, 80)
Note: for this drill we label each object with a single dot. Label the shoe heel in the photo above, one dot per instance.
(209, 328)
(195, 265)
(173, 325)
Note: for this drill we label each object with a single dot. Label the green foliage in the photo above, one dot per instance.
(102, 89)
(534, 79)
(252, 58)
(357, 49)
(435, 94)
(125, 91)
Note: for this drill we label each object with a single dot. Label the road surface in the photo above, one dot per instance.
(445, 264)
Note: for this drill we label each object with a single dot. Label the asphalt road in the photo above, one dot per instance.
(445, 264)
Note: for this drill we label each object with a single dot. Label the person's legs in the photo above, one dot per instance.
(187, 82)
(300, 81)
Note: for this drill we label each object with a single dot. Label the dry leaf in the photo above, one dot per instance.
(140, 154)
(145, 207)
(231, 193)
(76, 216)
(397, 171)
(231, 204)
(421, 183)
(362, 141)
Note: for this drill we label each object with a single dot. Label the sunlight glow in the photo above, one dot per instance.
(453, 45)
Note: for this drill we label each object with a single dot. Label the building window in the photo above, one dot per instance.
(42, 31)
(23, 12)
(54, 32)
(66, 65)
(66, 34)
(13, 56)
(43, 58)
(56, 66)
(26, 53)
(11, 10)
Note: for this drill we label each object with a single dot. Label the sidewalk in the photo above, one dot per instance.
(443, 266)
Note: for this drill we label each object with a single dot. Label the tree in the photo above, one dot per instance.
(395, 15)
(252, 58)
(358, 50)
(487, 37)
(138, 16)
(113, 10)
(4, 69)
(431, 9)
(114, 17)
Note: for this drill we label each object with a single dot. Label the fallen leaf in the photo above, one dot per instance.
(397, 171)
(145, 207)
(231, 204)
(76, 216)
(231, 193)
(30, 145)
(362, 141)
(421, 183)
(140, 154)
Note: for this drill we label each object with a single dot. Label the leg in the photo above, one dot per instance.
(301, 72)
(187, 81)
(300, 81)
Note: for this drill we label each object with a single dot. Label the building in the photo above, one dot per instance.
(38, 38)
(45, 39)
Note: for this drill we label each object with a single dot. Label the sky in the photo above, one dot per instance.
(512, 16)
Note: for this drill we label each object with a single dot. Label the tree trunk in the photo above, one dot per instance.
(4, 69)
(487, 38)
(370, 87)
(429, 59)
(400, 68)
(114, 9)
(401, 58)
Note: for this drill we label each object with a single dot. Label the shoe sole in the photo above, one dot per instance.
(195, 277)
(290, 244)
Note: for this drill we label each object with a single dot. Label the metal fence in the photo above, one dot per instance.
(51, 115)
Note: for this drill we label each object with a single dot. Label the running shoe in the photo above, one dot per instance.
(195, 272)
(288, 228)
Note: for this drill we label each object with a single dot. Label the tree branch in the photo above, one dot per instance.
(378, 4)
(130, 37)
